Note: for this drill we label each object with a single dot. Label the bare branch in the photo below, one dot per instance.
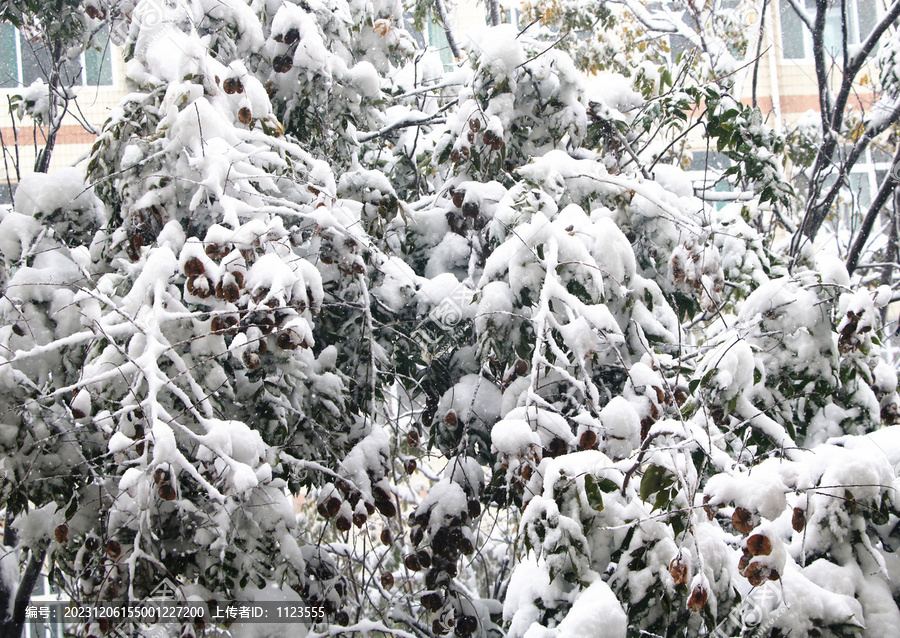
(445, 22)
(884, 193)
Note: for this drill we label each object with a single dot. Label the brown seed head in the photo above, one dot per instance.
(742, 520)
(759, 545)
(698, 598)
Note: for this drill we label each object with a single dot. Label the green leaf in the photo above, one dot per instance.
(595, 498)
(657, 480)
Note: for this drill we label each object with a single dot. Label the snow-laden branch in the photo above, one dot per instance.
(414, 118)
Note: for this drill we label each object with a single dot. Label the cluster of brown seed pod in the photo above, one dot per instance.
(163, 479)
(325, 585)
(522, 466)
(759, 544)
(233, 86)
(680, 573)
(489, 141)
(757, 572)
(659, 401)
(144, 225)
(284, 61)
(851, 333)
(344, 252)
(438, 555)
(260, 318)
(347, 505)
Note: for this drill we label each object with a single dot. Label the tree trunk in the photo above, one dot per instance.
(495, 13)
(12, 625)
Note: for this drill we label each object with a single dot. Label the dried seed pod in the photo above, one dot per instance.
(288, 340)
(455, 156)
(678, 569)
(470, 209)
(412, 562)
(359, 519)
(92, 544)
(451, 420)
(343, 523)
(466, 626)
(333, 505)
(416, 535)
(431, 601)
(744, 562)
(198, 286)
(18, 330)
(167, 492)
(410, 466)
(251, 360)
(386, 508)
(698, 598)
(230, 292)
(216, 251)
(113, 549)
(282, 64)
(474, 508)
(757, 573)
(412, 438)
(521, 367)
(798, 520)
(475, 124)
(386, 537)
(558, 447)
(193, 267)
(660, 395)
(230, 86)
(92, 12)
(709, 509)
(424, 558)
(759, 545)
(387, 580)
(742, 520)
(244, 115)
(457, 195)
(160, 475)
(588, 440)
(61, 533)
(490, 138)
(291, 36)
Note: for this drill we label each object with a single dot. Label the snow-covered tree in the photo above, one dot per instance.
(525, 381)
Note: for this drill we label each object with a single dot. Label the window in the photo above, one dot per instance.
(796, 40)
(23, 61)
(438, 39)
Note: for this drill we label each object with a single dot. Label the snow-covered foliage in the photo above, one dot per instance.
(523, 379)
